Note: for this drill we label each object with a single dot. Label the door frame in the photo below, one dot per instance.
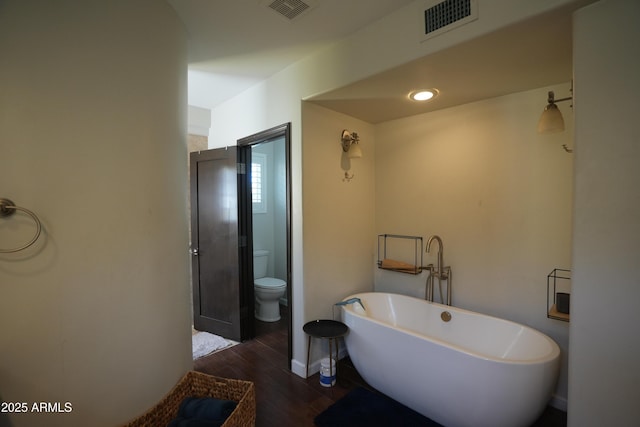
(245, 214)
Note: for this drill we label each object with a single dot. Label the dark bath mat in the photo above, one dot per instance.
(364, 408)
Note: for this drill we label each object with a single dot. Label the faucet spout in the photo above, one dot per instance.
(440, 272)
(440, 252)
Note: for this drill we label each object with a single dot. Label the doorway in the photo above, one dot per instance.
(268, 216)
(222, 221)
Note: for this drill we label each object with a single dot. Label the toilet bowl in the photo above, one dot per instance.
(267, 290)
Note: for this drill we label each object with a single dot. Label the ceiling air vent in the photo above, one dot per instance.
(290, 9)
(441, 16)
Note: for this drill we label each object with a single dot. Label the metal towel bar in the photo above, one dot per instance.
(8, 208)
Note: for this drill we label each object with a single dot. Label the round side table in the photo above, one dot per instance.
(326, 329)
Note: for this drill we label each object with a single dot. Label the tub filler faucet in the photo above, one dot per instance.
(439, 272)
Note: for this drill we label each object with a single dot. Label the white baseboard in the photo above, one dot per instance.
(300, 368)
(559, 402)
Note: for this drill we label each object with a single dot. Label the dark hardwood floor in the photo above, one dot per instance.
(283, 399)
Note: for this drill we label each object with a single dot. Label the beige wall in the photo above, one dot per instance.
(339, 215)
(386, 43)
(497, 193)
(604, 350)
(93, 139)
(605, 344)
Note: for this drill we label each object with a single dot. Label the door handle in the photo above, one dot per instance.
(194, 252)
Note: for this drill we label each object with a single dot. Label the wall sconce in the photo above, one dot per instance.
(551, 120)
(350, 146)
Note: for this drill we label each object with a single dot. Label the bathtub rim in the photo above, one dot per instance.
(552, 356)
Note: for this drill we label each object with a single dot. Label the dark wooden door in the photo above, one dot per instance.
(222, 305)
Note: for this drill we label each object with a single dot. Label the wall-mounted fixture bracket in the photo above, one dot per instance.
(351, 150)
(6, 207)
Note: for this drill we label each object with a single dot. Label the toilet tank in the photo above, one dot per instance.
(260, 262)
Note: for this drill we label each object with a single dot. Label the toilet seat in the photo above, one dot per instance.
(269, 283)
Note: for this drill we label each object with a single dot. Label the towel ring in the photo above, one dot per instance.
(8, 208)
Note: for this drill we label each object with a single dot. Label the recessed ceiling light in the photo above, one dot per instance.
(423, 94)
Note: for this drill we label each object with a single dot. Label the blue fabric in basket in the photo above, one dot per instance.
(206, 408)
(203, 412)
(192, 422)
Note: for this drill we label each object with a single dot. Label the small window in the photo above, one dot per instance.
(258, 182)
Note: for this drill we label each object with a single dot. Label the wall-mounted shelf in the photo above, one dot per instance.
(400, 253)
(558, 294)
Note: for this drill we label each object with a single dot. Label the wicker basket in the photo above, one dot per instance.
(201, 385)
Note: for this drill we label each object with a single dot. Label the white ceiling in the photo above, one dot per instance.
(236, 43)
(531, 54)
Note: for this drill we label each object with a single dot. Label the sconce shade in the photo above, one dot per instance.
(350, 145)
(551, 120)
(355, 152)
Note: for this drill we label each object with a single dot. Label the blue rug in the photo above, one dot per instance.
(364, 408)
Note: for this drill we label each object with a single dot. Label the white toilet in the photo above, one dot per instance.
(267, 290)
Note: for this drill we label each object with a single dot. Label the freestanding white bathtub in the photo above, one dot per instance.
(472, 371)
